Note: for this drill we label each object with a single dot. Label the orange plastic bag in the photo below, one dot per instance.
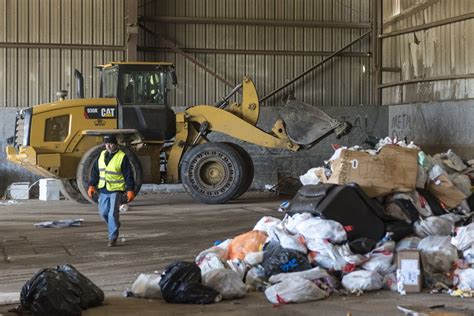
(251, 241)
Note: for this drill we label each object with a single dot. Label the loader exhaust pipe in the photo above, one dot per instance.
(79, 84)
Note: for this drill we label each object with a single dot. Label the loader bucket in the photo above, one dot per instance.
(306, 124)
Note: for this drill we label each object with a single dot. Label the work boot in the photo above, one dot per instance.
(112, 243)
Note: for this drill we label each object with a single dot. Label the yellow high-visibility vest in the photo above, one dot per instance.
(110, 176)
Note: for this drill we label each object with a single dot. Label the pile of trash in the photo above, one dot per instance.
(389, 218)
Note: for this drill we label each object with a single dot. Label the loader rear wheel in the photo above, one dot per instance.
(71, 191)
(84, 169)
(249, 169)
(212, 173)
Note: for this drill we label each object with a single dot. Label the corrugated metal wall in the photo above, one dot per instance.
(42, 42)
(344, 81)
(440, 51)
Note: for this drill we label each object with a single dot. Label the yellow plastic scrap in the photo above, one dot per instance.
(462, 293)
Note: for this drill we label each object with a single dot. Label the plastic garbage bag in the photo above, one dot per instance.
(433, 226)
(408, 243)
(147, 286)
(390, 282)
(464, 241)
(462, 182)
(362, 245)
(311, 274)
(59, 291)
(398, 230)
(226, 282)
(266, 223)
(381, 259)
(464, 279)
(315, 176)
(437, 254)
(295, 242)
(251, 241)
(291, 222)
(180, 284)
(334, 257)
(255, 277)
(362, 280)
(63, 223)
(254, 258)
(280, 260)
(238, 266)
(209, 262)
(294, 290)
(317, 228)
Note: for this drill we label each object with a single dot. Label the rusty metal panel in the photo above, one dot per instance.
(439, 51)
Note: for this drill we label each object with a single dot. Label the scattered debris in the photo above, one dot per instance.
(60, 223)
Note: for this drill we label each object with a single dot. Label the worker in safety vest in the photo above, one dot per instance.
(112, 175)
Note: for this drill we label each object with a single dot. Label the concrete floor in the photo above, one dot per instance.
(157, 230)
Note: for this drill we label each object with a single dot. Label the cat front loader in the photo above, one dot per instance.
(63, 139)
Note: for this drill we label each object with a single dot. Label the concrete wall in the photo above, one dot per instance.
(9, 172)
(436, 126)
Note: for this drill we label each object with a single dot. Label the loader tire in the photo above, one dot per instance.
(71, 191)
(87, 162)
(249, 170)
(212, 173)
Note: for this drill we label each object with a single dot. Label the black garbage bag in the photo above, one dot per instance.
(362, 245)
(59, 291)
(398, 230)
(181, 284)
(277, 259)
(90, 294)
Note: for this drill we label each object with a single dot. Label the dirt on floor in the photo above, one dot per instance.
(157, 230)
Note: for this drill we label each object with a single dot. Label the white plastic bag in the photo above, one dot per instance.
(334, 257)
(311, 274)
(254, 258)
(254, 278)
(468, 255)
(464, 238)
(290, 222)
(208, 262)
(362, 280)
(287, 241)
(381, 258)
(226, 282)
(433, 226)
(238, 266)
(317, 228)
(390, 282)
(266, 222)
(315, 176)
(407, 243)
(464, 279)
(147, 286)
(294, 290)
(437, 253)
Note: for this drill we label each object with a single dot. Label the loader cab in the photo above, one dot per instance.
(141, 90)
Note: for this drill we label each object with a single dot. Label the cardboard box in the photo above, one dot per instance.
(394, 169)
(409, 264)
(445, 191)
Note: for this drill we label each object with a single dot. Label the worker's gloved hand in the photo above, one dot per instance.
(91, 191)
(130, 196)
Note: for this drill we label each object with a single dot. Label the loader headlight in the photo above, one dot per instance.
(21, 114)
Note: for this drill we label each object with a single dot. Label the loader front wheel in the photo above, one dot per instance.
(212, 173)
(84, 169)
(71, 191)
(249, 170)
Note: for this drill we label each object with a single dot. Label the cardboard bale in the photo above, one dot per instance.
(409, 264)
(445, 191)
(394, 169)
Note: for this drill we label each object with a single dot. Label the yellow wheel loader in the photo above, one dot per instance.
(63, 139)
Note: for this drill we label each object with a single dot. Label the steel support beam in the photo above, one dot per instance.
(314, 67)
(429, 25)
(252, 22)
(409, 12)
(377, 29)
(131, 35)
(60, 46)
(420, 80)
(254, 52)
(179, 51)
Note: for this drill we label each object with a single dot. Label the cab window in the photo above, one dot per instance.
(143, 88)
(56, 128)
